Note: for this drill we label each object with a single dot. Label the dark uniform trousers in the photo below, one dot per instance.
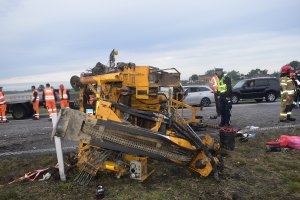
(225, 109)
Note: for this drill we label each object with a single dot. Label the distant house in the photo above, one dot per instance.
(204, 79)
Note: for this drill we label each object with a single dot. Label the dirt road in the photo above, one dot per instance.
(29, 135)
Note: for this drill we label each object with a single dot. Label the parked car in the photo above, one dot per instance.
(199, 95)
(257, 89)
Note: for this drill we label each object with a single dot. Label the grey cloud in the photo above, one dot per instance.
(71, 35)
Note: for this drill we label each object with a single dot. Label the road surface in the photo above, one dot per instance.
(26, 136)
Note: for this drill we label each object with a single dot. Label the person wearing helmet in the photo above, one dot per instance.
(224, 91)
(64, 96)
(288, 90)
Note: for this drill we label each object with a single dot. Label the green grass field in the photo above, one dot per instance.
(250, 173)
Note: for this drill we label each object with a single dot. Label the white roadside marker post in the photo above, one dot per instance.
(59, 152)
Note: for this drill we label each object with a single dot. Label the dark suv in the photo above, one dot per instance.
(256, 88)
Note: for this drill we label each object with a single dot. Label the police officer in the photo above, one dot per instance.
(288, 90)
(224, 96)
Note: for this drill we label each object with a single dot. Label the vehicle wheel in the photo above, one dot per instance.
(205, 102)
(19, 112)
(258, 100)
(270, 97)
(234, 99)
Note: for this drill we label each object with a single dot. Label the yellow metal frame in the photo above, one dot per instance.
(137, 79)
(180, 105)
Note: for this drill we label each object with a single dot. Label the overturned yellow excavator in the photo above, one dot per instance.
(129, 114)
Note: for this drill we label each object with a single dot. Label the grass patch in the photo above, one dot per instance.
(294, 186)
(250, 173)
(8, 195)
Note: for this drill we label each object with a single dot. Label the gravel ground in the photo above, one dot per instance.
(30, 135)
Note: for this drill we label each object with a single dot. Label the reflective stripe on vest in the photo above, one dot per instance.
(37, 97)
(2, 98)
(63, 95)
(214, 82)
(222, 87)
(290, 92)
(49, 94)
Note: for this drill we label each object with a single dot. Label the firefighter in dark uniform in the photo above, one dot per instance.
(297, 84)
(288, 90)
(224, 97)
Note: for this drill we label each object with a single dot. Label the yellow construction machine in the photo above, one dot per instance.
(129, 114)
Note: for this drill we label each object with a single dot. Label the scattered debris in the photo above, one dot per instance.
(284, 141)
(100, 192)
(36, 175)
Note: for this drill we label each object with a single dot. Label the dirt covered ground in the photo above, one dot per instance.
(250, 172)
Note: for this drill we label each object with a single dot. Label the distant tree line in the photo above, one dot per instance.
(236, 75)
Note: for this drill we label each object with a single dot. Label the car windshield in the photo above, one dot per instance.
(239, 84)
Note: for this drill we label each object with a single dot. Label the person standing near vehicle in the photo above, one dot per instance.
(288, 90)
(297, 84)
(213, 84)
(224, 96)
(293, 77)
(35, 103)
(64, 96)
(50, 99)
(3, 118)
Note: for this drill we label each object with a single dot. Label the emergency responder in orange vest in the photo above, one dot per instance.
(64, 96)
(288, 90)
(2, 107)
(50, 100)
(213, 84)
(35, 99)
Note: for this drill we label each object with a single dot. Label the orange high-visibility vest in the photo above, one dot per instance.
(63, 94)
(37, 97)
(214, 82)
(49, 94)
(2, 98)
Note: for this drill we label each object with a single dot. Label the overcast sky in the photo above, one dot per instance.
(48, 41)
